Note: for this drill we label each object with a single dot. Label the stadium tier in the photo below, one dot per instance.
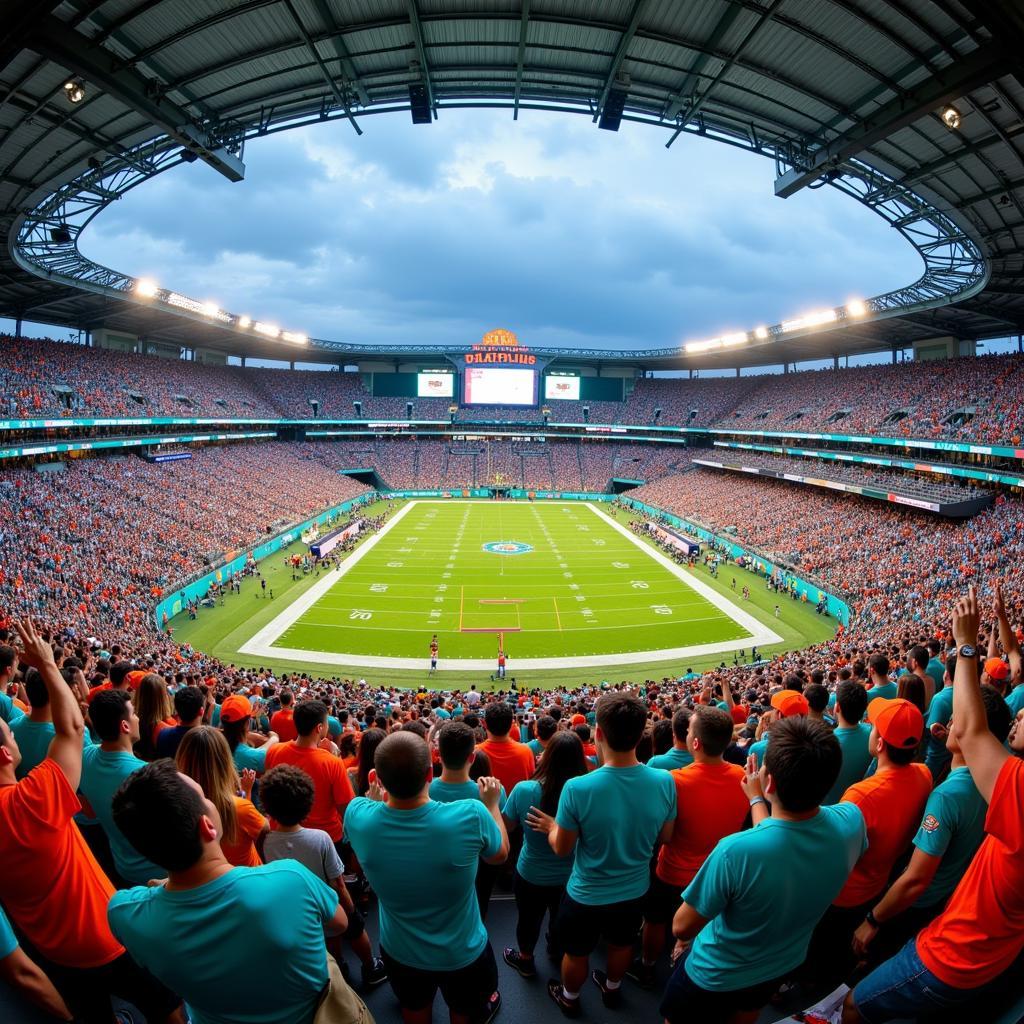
(668, 682)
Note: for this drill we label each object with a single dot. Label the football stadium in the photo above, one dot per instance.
(577, 566)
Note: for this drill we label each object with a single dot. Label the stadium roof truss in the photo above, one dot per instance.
(914, 108)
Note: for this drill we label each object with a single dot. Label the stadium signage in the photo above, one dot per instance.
(500, 348)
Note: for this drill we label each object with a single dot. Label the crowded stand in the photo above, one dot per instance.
(912, 400)
(94, 546)
(218, 843)
(917, 485)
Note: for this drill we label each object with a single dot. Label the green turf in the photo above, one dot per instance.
(223, 630)
(581, 589)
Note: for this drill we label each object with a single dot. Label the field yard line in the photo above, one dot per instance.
(558, 618)
(261, 643)
(761, 635)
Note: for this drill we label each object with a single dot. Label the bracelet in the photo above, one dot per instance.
(758, 800)
(872, 920)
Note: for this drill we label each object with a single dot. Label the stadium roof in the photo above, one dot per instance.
(913, 107)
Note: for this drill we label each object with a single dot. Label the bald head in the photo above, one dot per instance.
(403, 765)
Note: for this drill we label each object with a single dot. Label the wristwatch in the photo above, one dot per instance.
(871, 919)
(968, 651)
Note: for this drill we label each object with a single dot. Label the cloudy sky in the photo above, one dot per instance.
(563, 233)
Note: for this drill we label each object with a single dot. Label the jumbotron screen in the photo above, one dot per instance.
(435, 385)
(485, 385)
(557, 386)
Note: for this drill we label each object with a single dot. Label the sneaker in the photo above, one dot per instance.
(641, 973)
(514, 959)
(611, 997)
(492, 1008)
(375, 973)
(569, 1007)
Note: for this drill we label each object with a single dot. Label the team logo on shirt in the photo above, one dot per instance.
(507, 547)
(930, 823)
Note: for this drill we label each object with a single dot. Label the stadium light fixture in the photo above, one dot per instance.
(951, 117)
(761, 333)
(816, 319)
(243, 322)
(738, 338)
(703, 346)
(146, 288)
(856, 307)
(74, 91)
(295, 337)
(210, 309)
(268, 330)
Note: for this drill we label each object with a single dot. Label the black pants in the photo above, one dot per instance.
(830, 957)
(87, 990)
(486, 875)
(532, 903)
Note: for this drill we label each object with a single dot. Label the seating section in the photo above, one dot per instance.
(979, 399)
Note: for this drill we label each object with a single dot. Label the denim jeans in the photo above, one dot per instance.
(904, 987)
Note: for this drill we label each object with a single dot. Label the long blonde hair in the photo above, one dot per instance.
(205, 757)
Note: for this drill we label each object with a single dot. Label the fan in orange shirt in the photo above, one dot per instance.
(711, 804)
(283, 722)
(332, 789)
(511, 762)
(892, 802)
(980, 934)
(51, 885)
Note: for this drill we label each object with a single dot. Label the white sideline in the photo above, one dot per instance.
(262, 644)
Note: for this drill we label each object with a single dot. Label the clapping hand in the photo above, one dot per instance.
(752, 787)
(247, 780)
(35, 651)
(966, 619)
(490, 791)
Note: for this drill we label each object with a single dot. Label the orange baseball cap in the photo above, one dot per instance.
(578, 720)
(235, 708)
(790, 703)
(898, 722)
(135, 677)
(996, 668)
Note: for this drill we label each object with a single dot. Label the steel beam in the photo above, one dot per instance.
(61, 44)
(978, 68)
(697, 103)
(520, 58)
(421, 51)
(339, 47)
(328, 77)
(620, 55)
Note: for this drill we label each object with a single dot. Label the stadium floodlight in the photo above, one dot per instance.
(269, 330)
(243, 322)
(210, 309)
(761, 333)
(738, 338)
(703, 346)
(951, 117)
(816, 319)
(146, 288)
(856, 307)
(74, 91)
(296, 337)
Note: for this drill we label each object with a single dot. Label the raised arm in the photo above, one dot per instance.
(983, 753)
(68, 724)
(1007, 637)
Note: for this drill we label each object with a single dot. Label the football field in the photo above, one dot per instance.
(558, 584)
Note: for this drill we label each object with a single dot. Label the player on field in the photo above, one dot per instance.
(433, 654)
